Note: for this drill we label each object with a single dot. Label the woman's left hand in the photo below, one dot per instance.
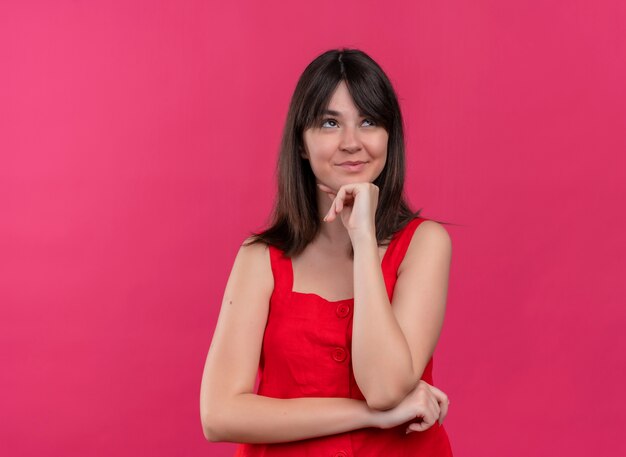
(356, 203)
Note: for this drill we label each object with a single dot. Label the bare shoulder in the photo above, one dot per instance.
(432, 229)
(430, 240)
(253, 265)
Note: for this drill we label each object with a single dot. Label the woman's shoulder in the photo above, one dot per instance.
(253, 261)
(428, 234)
(425, 240)
(426, 229)
(254, 248)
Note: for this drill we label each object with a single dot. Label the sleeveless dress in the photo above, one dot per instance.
(306, 353)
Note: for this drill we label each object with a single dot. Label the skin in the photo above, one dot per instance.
(391, 344)
(230, 410)
(344, 137)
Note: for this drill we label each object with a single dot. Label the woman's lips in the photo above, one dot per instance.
(353, 167)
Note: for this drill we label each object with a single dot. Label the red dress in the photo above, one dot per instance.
(306, 353)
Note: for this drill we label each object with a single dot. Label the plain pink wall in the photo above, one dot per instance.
(138, 142)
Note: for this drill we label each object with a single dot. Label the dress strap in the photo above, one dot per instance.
(281, 269)
(399, 244)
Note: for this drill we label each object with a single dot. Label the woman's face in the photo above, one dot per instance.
(344, 135)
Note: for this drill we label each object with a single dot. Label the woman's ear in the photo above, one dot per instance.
(303, 153)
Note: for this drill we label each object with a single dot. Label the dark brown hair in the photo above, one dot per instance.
(295, 221)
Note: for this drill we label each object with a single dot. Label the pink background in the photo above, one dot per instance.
(138, 142)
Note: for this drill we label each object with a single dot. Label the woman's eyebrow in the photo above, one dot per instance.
(337, 113)
(331, 112)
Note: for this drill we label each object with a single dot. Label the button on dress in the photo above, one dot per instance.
(306, 353)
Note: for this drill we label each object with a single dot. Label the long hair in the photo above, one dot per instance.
(294, 221)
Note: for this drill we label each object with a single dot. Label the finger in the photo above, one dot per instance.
(441, 396)
(349, 196)
(431, 419)
(435, 407)
(427, 422)
(443, 400)
(432, 410)
(444, 411)
(425, 418)
(329, 214)
(332, 211)
(338, 203)
(417, 426)
(340, 196)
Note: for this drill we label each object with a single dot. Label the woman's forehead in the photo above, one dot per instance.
(341, 102)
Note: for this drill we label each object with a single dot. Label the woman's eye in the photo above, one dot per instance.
(333, 123)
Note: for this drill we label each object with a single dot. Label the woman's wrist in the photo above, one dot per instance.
(375, 418)
(364, 239)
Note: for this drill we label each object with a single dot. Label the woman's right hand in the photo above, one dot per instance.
(425, 404)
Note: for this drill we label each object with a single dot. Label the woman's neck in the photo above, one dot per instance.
(332, 234)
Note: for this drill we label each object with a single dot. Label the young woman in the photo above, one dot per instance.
(339, 304)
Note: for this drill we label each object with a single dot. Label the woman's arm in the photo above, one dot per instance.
(251, 418)
(229, 409)
(391, 345)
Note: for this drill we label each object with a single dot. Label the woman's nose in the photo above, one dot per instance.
(350, 139)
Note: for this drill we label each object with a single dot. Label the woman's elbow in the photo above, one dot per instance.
(210, 429)
(389, 398)
(383, 401)
(210, 416)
